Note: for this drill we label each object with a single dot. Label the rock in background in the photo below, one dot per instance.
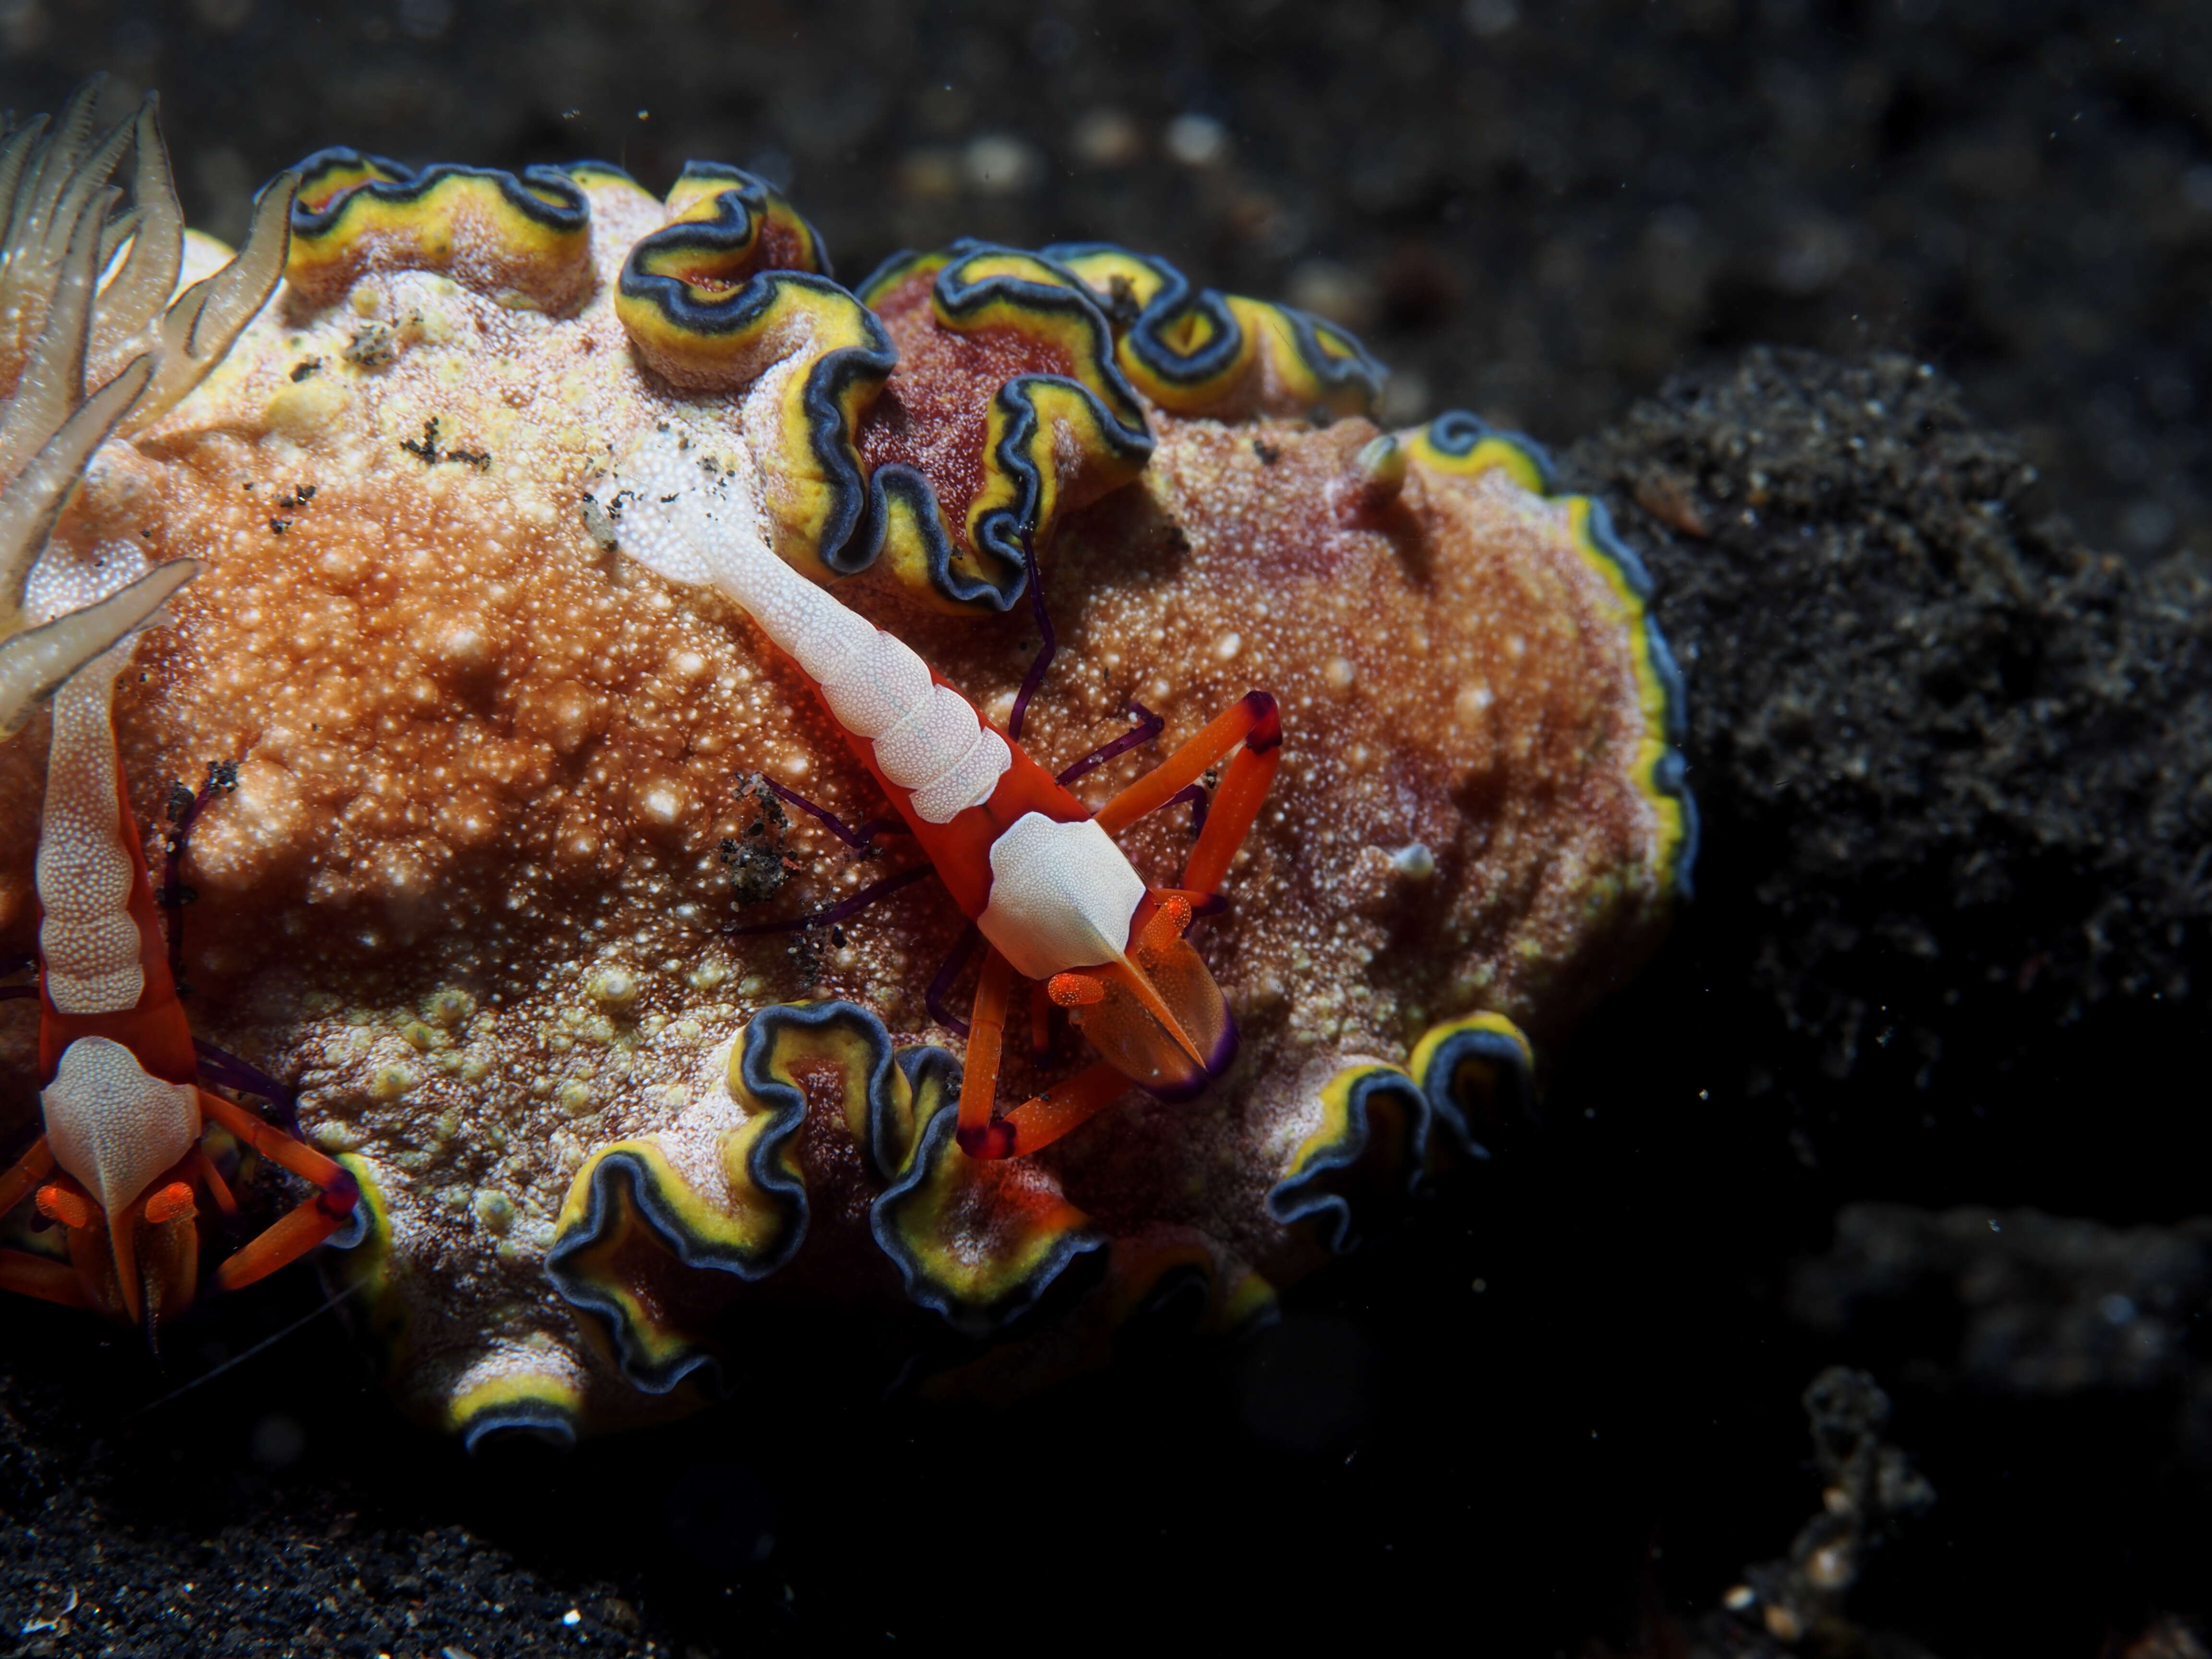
(1956, 776)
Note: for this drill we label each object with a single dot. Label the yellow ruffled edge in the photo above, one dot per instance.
(703, 194)
(1478, 1073)
(1369, 1146)
(543, 1405)
(715, 219)
(917, 550)
(1198, 353)
(1030, 471)
(1460, 444)
(722, 342)
(1147, 1275)
(1472, 1078)
(526, 241)
(1047, 436)
(979, 1285)
(605, 175)
(1167, 1285)
(629, 1192)
(980, 1244)
(329, 174)
(982, 287)
(362, 1275)
(1312, 360)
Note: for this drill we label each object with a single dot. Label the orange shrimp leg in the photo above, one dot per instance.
(979, 1078)
(1040, 1024)
(300, 1230)
(35, 1166)
(50, 1281)
(1033, 1123)
(1039, 1122)
(203, 1170)
(285, 1240)
(1236, 803)
(1252, 721)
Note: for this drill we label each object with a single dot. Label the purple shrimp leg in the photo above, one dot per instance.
(852, 836)
(1213, 904)
(1046, 651)
(1198, 799)
(1148, 726)
(184, 808)
(941, 986)
(227, 1071)
(860, 901)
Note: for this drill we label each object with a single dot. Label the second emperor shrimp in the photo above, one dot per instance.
(1035, 869)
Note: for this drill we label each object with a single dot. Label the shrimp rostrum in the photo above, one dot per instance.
(1057, 903)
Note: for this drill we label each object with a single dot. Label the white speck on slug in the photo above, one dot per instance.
(1414, 861)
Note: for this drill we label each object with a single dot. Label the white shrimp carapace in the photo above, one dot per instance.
(112, 1125)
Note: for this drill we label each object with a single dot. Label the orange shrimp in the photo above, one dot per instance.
(1036, 871)
(119, 1164)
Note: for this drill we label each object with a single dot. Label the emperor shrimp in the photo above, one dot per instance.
(1038, 873)
(119, 1164)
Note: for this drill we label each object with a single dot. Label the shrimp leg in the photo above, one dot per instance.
(1036, 1122)
(1255, 723)
(1252, 720)
(30, 1169)
(299, 1229)
(50, 1281)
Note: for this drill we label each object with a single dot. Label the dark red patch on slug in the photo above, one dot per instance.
(934, 412)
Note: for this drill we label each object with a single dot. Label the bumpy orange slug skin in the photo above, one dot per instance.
(498, 805)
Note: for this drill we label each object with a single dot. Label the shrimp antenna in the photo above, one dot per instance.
(1046, 651)
(236, 1360)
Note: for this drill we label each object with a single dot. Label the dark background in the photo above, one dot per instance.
(1561, 1407)
(1536, 211)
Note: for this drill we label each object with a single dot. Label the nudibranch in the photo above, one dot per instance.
(513, 824)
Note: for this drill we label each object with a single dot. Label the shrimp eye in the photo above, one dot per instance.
(1076, 989)
(172, 1203)
(58, 1203)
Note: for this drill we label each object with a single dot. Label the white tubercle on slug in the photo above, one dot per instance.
(705, 526)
